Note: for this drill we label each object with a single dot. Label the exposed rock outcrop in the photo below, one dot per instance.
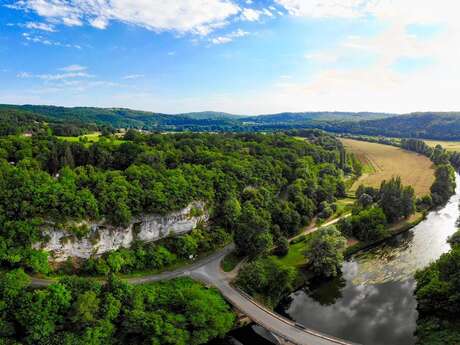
(102, 238)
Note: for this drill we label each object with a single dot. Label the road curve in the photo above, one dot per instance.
(212, 274)
(208, 270)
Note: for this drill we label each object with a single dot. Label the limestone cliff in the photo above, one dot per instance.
(102, 238)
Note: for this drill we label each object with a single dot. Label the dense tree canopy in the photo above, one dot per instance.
(438, 299)
(81, 311)
(240, 177)
(325, 251)
(267, 279)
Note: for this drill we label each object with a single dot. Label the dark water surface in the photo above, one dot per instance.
(372, 302)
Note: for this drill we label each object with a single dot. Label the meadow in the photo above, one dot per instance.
(381, 162)
(87, 139)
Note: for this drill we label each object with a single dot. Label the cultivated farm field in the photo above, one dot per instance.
(448, 145)
(384, 161)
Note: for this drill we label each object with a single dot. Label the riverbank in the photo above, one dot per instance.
(296, 259)
(394, 230)
(372, 301)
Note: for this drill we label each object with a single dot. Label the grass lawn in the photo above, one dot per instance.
(295, 257)
(88, 139)
(343, 206)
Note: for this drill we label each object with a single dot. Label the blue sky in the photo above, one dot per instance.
(246, 57)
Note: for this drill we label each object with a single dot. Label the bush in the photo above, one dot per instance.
(266, 278)
(367, 225)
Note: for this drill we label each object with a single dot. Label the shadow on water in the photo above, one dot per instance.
(372, 301)
(247, 335)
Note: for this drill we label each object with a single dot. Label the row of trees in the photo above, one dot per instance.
(82, 311)
(444, 185)
(376, 208)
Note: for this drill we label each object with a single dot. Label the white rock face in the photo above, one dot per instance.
(102, 238)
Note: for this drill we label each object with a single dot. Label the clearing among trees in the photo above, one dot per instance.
(384, 161)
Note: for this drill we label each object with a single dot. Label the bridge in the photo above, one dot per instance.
(285, 330)
(208, 271)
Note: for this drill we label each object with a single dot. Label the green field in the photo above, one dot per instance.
(90, 138)
(296, 255)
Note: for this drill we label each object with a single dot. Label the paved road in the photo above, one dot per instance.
(181, 272)
(212, 274)
(208, 271)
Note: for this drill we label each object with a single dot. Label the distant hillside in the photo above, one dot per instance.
(429, 125)
(126, 118)
(315, 116)
(194, 121)
(210, 115)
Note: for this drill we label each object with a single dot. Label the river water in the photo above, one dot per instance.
(372, 302)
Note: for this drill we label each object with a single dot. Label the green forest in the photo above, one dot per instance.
(80, 120)
(78, 311)
(260, 190)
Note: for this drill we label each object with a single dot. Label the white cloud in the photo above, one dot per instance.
(40, 26)
(229, 37)
(23, 75)
(32, 38)
(62, 76)
(73, 68)
(250, 14)
(183, 16)
(376, 85)
(324, 8)
(322, 57)
(55, 77)
(407, 11)
(133, 76)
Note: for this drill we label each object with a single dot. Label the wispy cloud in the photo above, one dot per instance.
(133, 76)
(250, 14)
(73, 68)
(228, 37)
(40, 26)
(56, 76)
(197, 16)
(46, 41)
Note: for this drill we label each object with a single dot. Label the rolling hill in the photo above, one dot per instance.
(429, 125)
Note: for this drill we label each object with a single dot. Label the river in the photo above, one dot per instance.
(372, 302)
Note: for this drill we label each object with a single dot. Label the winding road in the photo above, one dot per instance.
(208, 270)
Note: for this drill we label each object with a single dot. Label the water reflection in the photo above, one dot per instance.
(379, 314)
(373, 302)
(415, 249)
(247, 335)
